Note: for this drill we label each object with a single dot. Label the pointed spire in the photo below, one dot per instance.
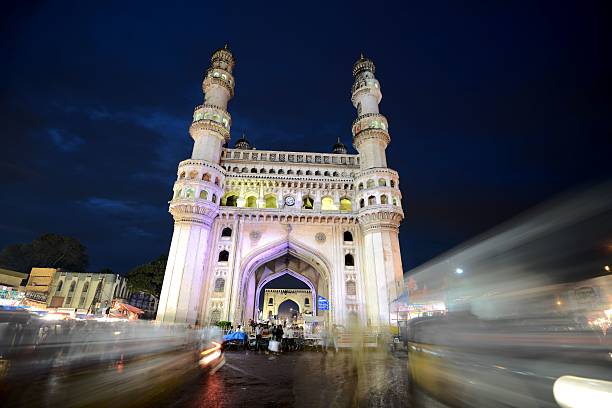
(243, 143)
(363, 64)
(339, 147)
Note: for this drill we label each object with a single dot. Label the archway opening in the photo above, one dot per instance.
(251, 202)
(284, 298)
(288, 310)
(284, 260)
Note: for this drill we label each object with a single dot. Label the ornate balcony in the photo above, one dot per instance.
(370, 121)
(214, 113)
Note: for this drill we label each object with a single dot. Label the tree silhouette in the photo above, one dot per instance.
(148, 277)
(46, 251)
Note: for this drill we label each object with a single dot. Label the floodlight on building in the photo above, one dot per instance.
(458, 271)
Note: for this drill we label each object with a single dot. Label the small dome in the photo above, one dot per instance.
(363, 64)
(339, 148)
(243, 143)
(223, 58)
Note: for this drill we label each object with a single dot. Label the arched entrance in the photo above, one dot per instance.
(273, 261)
(296, 298)
(288, 310)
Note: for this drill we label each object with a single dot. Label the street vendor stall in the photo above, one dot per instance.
(121, 310)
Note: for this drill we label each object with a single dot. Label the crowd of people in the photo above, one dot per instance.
(291, 337)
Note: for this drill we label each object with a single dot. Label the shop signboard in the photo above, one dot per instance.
(37, 296)
(322, 303)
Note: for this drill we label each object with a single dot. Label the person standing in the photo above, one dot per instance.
(334, 337)
(258, 331)
(324, 338)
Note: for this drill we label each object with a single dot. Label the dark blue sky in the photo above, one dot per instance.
(492, 108)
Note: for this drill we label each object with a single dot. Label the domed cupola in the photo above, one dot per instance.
(243, 143)
(363, 64)
(339, 148)
(223, 58)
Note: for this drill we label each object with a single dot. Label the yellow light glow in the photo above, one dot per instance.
(216, 346)
(607, 268)
(327, 204)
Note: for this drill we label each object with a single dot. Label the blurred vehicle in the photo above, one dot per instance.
(462, 360)
(211, 357)
(525, 307)
(99, 363)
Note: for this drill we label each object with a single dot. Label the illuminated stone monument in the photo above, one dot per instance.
(243, 217)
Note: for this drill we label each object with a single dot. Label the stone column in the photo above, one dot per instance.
(382, 272)
(183, 280)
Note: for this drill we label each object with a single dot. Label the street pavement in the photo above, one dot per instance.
(302, 379)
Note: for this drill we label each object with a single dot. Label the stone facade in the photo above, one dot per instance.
(274, 298)
(243, 217)
(86, 291)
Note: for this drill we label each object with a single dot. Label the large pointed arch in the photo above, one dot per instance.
(270, 278)
(274, 250)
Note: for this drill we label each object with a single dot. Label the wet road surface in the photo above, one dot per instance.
(302, 379)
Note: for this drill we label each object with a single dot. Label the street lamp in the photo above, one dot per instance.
(458, 271)
(607, 268)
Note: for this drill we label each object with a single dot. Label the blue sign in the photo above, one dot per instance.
(322, 303)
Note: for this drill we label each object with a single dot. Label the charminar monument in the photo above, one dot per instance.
(244, 216)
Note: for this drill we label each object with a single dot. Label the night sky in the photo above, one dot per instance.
(492, 108)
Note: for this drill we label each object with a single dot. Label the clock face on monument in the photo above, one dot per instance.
(289, 200)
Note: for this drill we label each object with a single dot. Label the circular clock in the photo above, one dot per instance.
(289, 200)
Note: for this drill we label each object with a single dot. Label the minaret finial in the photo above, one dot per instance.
(225, 46)
(361, 55)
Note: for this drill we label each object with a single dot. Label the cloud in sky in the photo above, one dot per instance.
(139, 233)
(64, 141)
(173, 130)
(120, 207)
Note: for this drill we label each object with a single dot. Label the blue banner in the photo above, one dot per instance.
(322, 303)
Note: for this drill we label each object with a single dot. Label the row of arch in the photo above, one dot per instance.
(298, 172)
(194, 175)
(381, 183)
(289, 184)
(123, 292)
(384, 199)
(198, 115)
(270, 200)
(190, 192)
(230, 199)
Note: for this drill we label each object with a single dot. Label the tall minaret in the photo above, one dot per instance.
(197, 193)
(380, 211)
(211, 121)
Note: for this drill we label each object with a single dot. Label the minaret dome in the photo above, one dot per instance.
(339, 148)
(223, 59)
(363, 64)
(243, 143)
